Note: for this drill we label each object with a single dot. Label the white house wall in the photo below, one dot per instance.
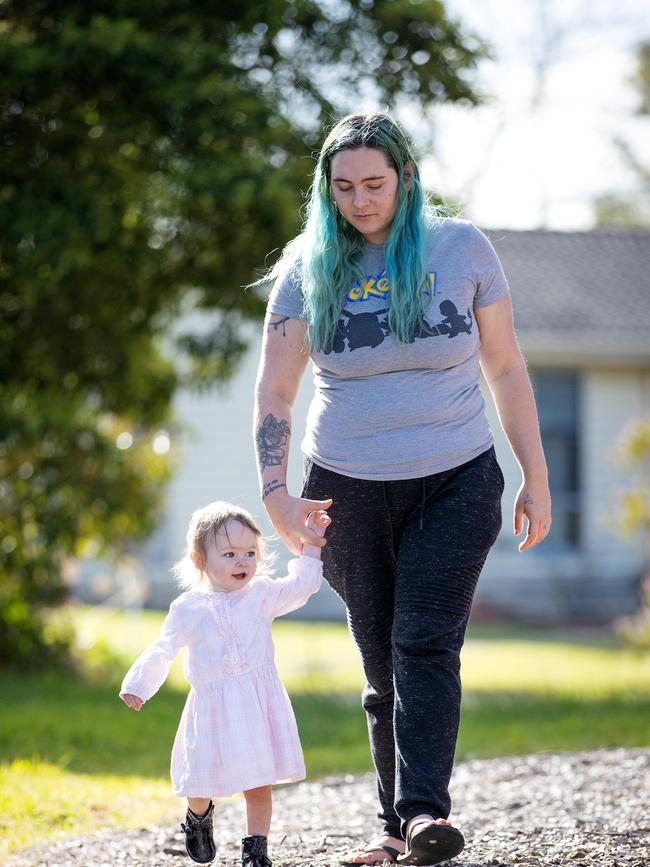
(597, 580)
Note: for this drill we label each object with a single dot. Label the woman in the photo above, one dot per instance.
(389, 299)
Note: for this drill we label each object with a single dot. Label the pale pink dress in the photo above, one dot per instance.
(237, 730)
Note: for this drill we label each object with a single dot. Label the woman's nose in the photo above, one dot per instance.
(360, 199)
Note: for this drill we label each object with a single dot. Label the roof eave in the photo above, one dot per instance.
(584, 351)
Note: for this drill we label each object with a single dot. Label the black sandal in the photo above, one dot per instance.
(431, 844)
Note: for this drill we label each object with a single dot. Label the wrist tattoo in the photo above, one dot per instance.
(271, 438)
(276, 323)
(269, 487)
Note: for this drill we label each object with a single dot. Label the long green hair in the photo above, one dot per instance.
(327, 255)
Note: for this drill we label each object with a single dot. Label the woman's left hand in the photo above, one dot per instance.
(533, 502)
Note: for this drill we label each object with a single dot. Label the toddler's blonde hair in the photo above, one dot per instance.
(205, 523)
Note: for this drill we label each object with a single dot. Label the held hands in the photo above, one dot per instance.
(289, 517)
(534, 502)
(318, 521)
(132, 701)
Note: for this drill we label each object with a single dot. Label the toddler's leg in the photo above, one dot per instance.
(259, 804)
(258, 823)
(199, 806)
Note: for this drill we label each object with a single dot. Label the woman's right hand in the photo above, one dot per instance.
(289, 515)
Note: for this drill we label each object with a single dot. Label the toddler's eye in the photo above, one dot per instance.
(252, 553)
(229, 554)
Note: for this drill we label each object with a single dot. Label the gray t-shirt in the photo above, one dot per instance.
(384, 410)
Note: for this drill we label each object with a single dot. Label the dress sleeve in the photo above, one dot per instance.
(287, 594)
(149, 671)
(286, 298)
(491, 283)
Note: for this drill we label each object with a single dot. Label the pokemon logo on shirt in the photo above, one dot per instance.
(370, 329)
(378, 286)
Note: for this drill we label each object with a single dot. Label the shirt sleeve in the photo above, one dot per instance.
(491, 283)
(287, 594)
(286, 298)
(150, 670)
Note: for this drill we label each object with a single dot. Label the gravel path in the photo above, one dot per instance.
(544, 810)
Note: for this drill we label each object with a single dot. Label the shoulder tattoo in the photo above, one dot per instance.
(276, 323)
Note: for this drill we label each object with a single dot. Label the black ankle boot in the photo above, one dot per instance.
(253, 852)
(199, 841)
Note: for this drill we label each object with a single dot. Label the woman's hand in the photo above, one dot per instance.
(534, 502)
(132, 701)
(289, 517)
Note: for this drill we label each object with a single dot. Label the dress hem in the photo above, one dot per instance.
(294, 778)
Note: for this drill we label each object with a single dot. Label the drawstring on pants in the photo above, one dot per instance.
(424, 495)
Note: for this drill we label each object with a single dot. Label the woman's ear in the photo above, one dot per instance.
(409, 174)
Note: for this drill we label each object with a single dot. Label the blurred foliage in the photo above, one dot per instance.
(152, 155)
(631, 210)
(633, 451)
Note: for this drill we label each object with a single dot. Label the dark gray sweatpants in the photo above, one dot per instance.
(405, 557)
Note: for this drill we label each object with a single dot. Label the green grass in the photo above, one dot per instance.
(74, 759)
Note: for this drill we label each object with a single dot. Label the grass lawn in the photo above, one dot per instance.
(73, 759)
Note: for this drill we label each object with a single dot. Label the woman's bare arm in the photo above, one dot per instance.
(505, 371)
(282, 364)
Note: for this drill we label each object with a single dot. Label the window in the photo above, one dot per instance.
(557, 395)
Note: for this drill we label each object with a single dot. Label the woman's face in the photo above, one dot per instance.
(364, 185)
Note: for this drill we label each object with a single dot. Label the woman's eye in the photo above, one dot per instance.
(375, 188)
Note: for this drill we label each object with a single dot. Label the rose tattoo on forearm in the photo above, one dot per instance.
(271, 439)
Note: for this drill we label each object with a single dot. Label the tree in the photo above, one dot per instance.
(153, 154)
(625, 210)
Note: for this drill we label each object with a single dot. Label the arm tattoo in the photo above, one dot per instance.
(271, 438)
(528, 500)
(269, 487)
(276, 323)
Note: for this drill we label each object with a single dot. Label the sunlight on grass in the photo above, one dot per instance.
(40, 801)
(553, 667)
(320, 657)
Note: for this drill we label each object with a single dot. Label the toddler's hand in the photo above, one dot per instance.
(318, 521)
(132, 701)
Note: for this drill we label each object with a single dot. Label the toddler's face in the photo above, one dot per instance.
(231, 557)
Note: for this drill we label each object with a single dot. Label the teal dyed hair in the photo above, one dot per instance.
(326, 256)
(328, 252)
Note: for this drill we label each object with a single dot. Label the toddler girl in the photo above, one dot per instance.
(237, 732)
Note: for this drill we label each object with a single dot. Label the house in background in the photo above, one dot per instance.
(582, 313)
